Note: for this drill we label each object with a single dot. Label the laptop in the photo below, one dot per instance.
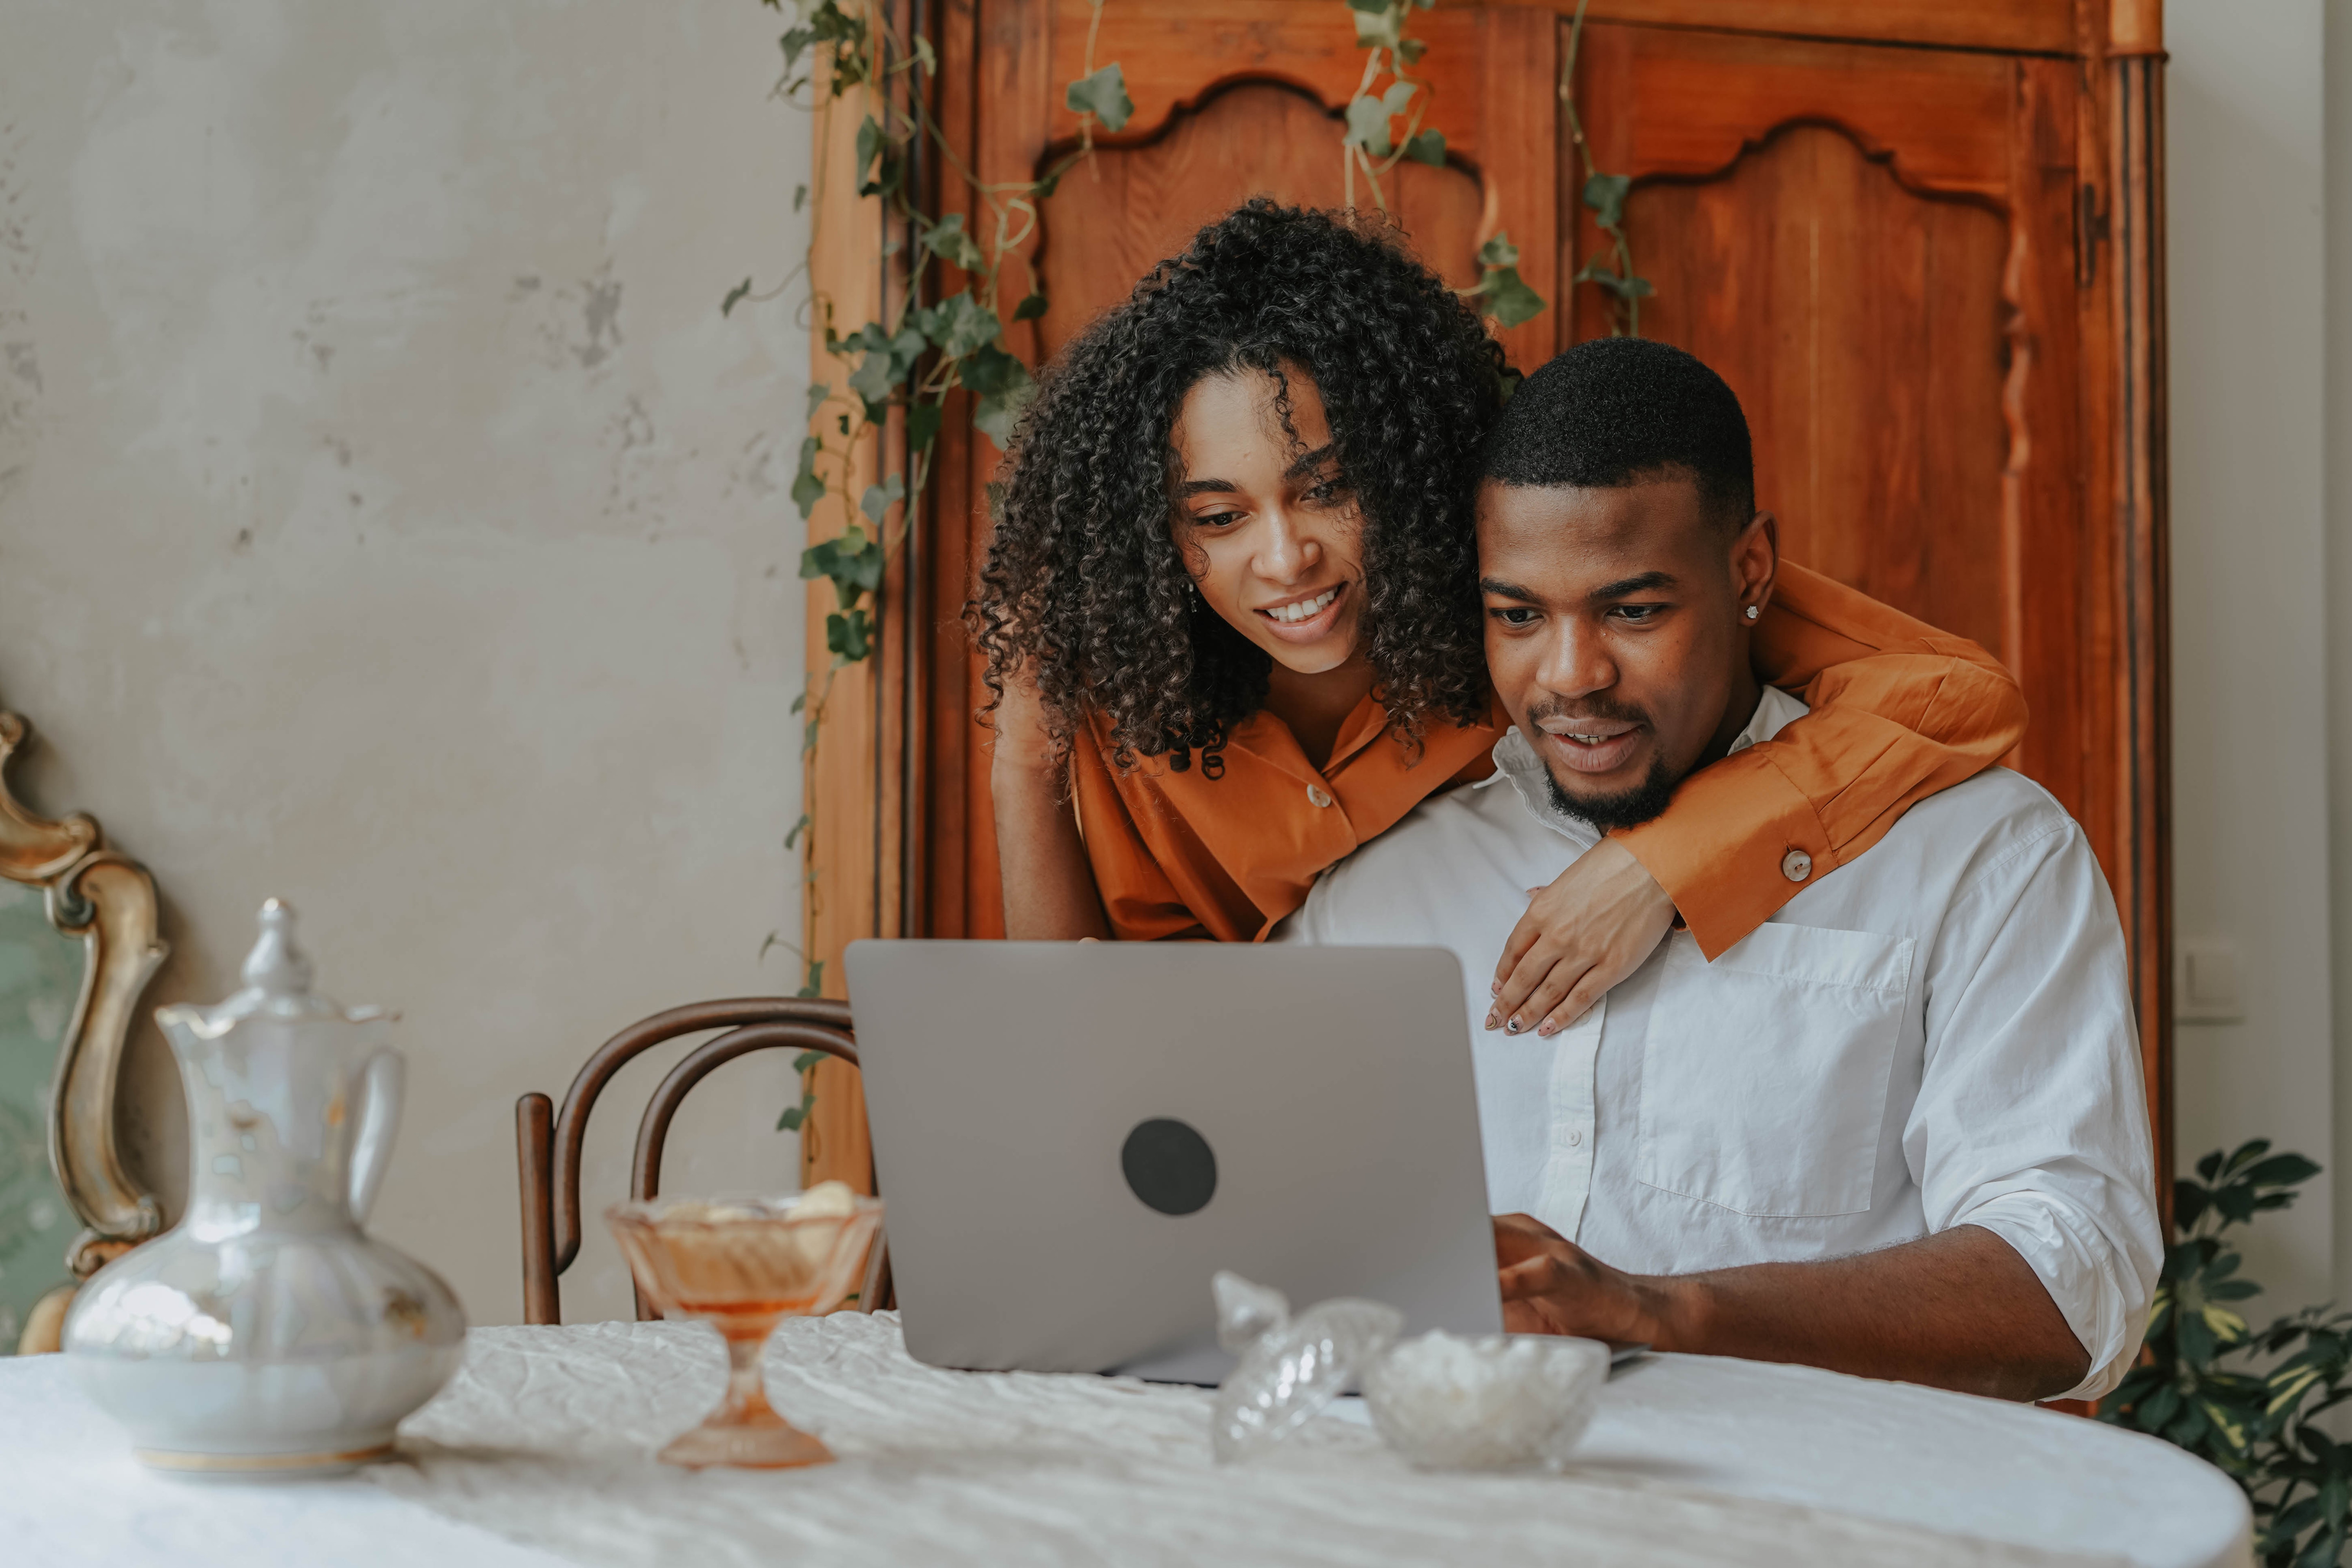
(1074, 1137)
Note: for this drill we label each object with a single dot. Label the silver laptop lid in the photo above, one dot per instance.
(1073, 1138)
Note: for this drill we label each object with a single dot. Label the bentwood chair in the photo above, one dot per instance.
(549, 1140)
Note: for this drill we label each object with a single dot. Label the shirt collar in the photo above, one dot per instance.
(1517, 761)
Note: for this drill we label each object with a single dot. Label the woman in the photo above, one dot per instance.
(1231, 620)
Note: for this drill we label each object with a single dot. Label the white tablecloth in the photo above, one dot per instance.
(540, 1453)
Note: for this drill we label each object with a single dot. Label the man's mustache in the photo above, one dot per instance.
(1594, 707)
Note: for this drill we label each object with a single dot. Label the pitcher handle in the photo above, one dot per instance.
(381, 1092)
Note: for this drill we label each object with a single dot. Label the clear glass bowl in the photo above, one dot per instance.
(744, 1265)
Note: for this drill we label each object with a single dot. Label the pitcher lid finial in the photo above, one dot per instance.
(276, 967)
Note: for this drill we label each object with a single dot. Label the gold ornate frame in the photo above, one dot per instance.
(109, 901)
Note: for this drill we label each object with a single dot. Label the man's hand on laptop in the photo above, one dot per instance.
(1588, 930)
(1552, 1286)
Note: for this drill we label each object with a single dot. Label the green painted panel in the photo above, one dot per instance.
(40, 978)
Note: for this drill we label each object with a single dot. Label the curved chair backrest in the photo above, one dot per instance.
(549, 1142)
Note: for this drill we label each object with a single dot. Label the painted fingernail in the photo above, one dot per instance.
(1513, 1028)
(1491, 1019)
(1495, 989)
(1547, 1029)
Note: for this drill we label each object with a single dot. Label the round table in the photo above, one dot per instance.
(538, 1454)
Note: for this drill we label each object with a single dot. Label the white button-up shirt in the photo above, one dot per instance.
(1938, 1032)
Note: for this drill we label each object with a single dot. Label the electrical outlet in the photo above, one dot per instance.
(2205, 982)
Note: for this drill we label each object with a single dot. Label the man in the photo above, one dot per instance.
(1896, 1131)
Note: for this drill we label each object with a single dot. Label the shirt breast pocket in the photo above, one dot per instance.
(1764, 1074)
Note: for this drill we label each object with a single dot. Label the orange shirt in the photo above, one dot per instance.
(1899, 711)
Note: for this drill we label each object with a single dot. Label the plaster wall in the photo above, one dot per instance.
(2257, 656)
(390, 522)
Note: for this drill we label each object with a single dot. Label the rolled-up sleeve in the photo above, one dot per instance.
(2030, 1121)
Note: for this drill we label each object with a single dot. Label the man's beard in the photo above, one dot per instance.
(1626, 808)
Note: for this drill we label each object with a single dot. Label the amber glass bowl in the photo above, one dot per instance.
(743, 1266)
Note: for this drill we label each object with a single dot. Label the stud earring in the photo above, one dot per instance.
(1753, 612)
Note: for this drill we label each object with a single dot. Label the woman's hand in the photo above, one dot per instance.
(1591, 928)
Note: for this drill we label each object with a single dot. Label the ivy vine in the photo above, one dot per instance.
(1373, 142)
(944, 335)
(1605, 194)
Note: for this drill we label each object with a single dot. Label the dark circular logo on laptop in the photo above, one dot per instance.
(1170, 1166)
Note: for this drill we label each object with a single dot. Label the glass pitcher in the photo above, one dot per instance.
(267, 1333)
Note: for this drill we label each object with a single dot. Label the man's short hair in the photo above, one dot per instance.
(1616, 411)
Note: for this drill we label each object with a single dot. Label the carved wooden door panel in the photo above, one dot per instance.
(1874, 246)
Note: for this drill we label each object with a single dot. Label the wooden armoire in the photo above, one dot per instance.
(1923, 240)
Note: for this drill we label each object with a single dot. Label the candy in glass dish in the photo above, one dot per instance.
(1491, 1402)
(743, 1266)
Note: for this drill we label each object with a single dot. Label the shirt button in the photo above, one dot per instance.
(1574, 1136)
(1319, 795)
(1796, 865)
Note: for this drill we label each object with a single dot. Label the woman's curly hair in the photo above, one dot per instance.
(1084, 590)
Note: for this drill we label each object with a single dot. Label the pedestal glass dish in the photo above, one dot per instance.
(743, 1266)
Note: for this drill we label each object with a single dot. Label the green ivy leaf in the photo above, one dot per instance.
(1379, 26)
(959, 324)
(1367, 125)
(996, 416)
(815, 985)
(809, 1059)
(800, 197)
(808, 488)
(873, 377)
(1409, 50)
(1032, 305)
(1005, 388)
(1503, 294)
(799, 827)
(790, 1121)
(923, 425)
(880, 499)
(849, 637)
(1499, 251)
(808, 738)
(1509, 299)
(1428, 147)
(1623, 288)
(851, 561)
(992, 371)
(798, 703)
(1399, 97)
(869, 147)
(947, 240)
(1102, 95)
(734, 296)
(1605, 194)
